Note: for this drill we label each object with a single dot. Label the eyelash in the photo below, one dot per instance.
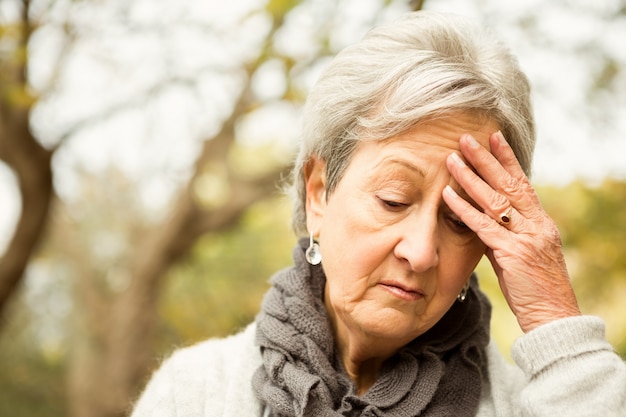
(459, 225)
(393, 205)
(454, 221)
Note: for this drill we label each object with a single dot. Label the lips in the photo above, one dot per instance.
(402, 291)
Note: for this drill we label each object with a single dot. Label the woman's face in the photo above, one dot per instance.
(395, 256)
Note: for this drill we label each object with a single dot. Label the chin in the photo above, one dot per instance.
(402, 329)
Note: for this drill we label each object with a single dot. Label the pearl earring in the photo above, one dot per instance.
(463, 294)
(313, 254)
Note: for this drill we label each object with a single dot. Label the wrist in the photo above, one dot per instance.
(540, 317)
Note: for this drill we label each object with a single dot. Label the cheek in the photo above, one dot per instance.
(351, 252)
(348, 235)
(349, 259)
(458, 263)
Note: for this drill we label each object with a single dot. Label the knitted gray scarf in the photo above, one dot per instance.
(437, 374)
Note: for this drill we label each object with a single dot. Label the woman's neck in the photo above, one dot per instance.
(361, 365)
(361, 354)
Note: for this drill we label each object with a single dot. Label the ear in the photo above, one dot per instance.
(315, 180)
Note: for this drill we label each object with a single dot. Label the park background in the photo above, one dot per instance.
(142, 143)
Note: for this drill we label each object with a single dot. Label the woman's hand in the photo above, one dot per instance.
(525, 251)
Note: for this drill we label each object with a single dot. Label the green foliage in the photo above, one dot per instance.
(593, 229)
(593, 234)
(29, 380)
(219, 287)
(504, 327)
(279, 8)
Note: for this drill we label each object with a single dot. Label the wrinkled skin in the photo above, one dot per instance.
(526, 253)
(407, 224)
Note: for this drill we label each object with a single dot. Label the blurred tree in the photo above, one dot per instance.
(115, 251)
(218, 288)
(592, 220)
(31, 381)
(19, 149)
(108, 245)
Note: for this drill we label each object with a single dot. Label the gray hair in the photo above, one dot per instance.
(421, 66)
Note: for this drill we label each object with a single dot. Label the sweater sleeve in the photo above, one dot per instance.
(573, 371)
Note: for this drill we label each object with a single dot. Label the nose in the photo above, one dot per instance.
(417, 242)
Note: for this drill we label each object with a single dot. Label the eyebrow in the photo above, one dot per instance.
(419, 171)
(461, 192)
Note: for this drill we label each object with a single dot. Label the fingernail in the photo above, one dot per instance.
(472, 142)
(457, 159)
(450, 191)
(500, 137)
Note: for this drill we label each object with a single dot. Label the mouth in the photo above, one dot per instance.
(402, 291)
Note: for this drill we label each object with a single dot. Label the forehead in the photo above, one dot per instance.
(421, 151)
(431, 140)
(445, 131)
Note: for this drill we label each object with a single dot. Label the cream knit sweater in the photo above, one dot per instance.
(565, 368)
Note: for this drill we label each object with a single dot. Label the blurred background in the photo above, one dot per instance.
(143, 142)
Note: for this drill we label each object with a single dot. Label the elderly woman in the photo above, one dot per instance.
(416, 151)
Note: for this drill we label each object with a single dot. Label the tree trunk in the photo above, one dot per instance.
(31, 165)
(113, 347)
(29, 161)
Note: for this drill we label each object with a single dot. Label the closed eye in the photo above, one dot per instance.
(458, 225)
(392, 205)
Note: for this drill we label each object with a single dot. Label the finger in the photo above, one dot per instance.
(494, 204)
(505, 177)
(487, 229)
